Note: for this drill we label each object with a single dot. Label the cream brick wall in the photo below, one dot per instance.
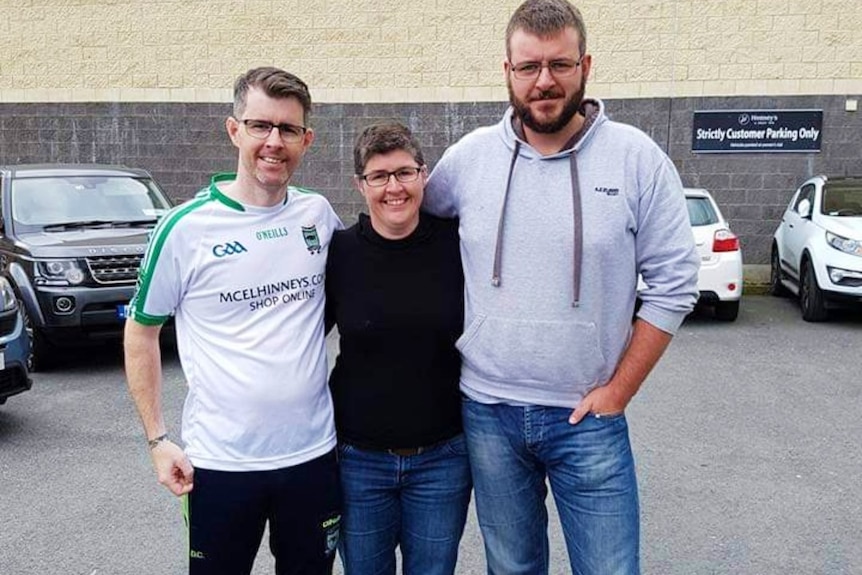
(413, 51)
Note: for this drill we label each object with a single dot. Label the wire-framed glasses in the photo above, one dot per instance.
(381, 178)
(558, 68)
(261, 129)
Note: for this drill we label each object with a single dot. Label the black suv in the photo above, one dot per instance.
(71, 241)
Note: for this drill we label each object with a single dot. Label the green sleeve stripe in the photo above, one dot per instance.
(151, 320)
(154, 250)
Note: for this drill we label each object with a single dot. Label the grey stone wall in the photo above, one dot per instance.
(181, 144)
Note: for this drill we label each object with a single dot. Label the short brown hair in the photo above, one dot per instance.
(275, 83)
(383, 138)
(544, 18)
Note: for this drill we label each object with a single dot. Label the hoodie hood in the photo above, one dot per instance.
(593, 111)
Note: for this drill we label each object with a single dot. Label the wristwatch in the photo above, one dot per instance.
(156, 440)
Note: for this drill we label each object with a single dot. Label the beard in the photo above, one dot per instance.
(570, 109)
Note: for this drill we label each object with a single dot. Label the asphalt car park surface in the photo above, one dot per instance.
(746, 438)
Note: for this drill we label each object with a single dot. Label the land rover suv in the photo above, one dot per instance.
(71, 241)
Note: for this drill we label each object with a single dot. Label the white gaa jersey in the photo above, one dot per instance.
(246, 287)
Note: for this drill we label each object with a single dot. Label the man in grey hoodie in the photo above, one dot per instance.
(560, 209)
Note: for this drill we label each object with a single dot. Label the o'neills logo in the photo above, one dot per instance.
(272, 234)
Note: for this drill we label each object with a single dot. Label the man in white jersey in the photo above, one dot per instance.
(241, 269)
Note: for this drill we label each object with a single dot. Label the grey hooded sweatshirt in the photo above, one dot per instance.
(552, 247)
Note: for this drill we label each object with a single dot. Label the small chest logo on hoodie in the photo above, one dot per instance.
(608, 191)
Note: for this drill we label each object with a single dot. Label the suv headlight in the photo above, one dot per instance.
(59, 272)
(7, 295)
(843, 244)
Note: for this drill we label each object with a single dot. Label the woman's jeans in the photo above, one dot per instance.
(590, 468)
(416, 501)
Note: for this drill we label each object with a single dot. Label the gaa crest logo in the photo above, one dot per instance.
(228, 249)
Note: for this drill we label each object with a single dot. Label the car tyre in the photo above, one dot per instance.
(776, 288)
(727, 310)
(41, 352)
(811, 296)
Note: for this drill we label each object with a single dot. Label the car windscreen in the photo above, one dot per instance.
(52, 201)
(842, 198)
(700, 211)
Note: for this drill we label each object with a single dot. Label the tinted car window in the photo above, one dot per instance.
(842, 198)
(54, 200)
(806, 193)
(700, 212)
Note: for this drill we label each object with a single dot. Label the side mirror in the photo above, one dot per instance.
(804, 208)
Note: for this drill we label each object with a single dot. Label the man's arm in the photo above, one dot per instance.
(668, 263)
(439, 198)
(144, 377)
(645, 349)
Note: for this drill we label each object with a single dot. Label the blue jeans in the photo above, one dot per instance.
(418, 502)
(590, 468)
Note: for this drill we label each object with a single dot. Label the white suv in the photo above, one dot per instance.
(720, 277)
(817, 248)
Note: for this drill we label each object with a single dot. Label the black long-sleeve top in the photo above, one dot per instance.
(398, 305)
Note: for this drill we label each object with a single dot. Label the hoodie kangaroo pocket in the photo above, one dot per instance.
(535, 351)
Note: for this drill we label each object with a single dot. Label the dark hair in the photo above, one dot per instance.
(275, 83)
(383, 138)
(545, 18)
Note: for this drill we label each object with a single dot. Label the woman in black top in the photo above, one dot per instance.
(394, 288)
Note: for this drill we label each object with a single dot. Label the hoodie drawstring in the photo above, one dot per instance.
(577, 224)
(577, 229)
(498, 250)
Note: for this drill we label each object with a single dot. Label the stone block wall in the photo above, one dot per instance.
(182, 144)
(147, 83)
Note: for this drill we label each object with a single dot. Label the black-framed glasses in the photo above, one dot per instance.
(381, 177)
(261, 129)
(558, 68)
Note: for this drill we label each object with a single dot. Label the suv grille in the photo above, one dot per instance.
(114, 269)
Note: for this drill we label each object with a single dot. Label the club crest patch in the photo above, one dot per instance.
(312, 240)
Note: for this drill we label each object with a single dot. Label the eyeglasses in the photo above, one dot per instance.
(381, 178)
(558, 68)
(261, 129)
